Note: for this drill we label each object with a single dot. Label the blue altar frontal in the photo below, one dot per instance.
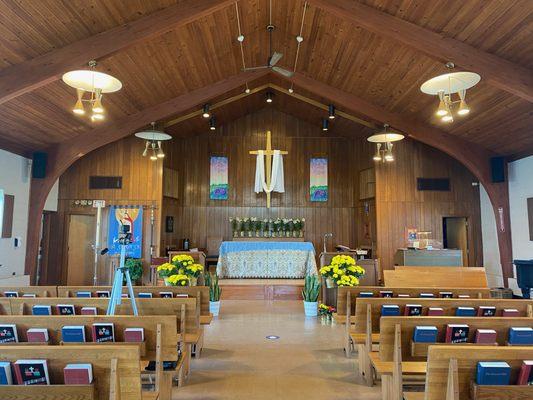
(266, 259)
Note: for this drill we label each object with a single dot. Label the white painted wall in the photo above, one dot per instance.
(15, 180)
(520, 178)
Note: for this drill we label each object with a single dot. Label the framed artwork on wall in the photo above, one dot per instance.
(318, 179)
(218, 185)
(169, 224)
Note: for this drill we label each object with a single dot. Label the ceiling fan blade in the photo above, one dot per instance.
(254, 68)
(283, 71)
(275, 58)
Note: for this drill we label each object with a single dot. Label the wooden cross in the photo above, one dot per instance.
(268, 153)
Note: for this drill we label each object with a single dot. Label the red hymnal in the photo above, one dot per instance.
(88, 311)
(435, 311)
(510, 312)
(78, 374)
(37, 335)
(182, 295)
(134, 335)
(526, 371)
(487, 336)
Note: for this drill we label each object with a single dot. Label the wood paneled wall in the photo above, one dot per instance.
(401, 206)
(197, 217)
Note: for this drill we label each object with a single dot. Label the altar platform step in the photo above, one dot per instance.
(261, 289)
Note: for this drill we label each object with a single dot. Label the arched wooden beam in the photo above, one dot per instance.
(505, 75)
(63, 155)
(32, 74)
(472, 156)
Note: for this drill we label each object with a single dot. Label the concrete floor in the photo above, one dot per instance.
(238, 362)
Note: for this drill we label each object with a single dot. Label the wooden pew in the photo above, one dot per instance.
(101, 357)
(201, 292)
(39, 291)
(430, 277)
(451, 370)
(5, 306)
(398, 353)
(160, 333)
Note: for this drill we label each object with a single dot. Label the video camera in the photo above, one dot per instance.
(124, 235)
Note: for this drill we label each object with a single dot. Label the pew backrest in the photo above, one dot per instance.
(54, 323)
(467, 358)
(412, 292)
(456, 277)
(39, 291)
(99, 356)
(449, 307)
(387, 325)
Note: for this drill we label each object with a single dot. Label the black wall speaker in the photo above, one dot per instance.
(497, 169)
(435, 184)
(38, 169)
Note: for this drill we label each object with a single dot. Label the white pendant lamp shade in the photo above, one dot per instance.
(154, 135)
(153, 145)
(90, 81)
(385, 137)
(452, 82)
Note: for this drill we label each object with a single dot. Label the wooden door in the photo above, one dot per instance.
(81, 233)
(456, 235)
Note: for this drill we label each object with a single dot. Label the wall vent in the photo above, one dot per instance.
(435, 184)
(105, 182)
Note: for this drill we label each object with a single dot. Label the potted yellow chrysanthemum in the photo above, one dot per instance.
(166, 270)
(178, 280)
(342, 271)
(186, 265)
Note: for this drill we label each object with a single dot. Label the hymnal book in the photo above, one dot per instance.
(32, 295)
(11, 294)
(465, 312)
(8, 333)
(103, 332)
(456, 333)
(525, 376)
(385, 293)
(73, 334)
(65, 309)
(521, 335)
(493, 373)
(84, 294)
(134, 335)
(412, 310)
(366, 294)
(166, 295)
(143, 295)
(426, 295)
(446, 295)
(88, 311)
(435, 311)
(463, 296)
(102, 293)
(485, 336)
(37, 335)
(425, 334)
(403, 295)
(388, 310)
(486, 311)
(32, 372)
(510, 312)
(5, 373)
(40, 309)
(182, 295)
(125, 295)
(78, 374)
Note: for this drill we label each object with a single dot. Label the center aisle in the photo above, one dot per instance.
(238, 362)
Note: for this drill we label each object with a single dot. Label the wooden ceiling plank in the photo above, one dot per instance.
(37, 72)
(497, 71)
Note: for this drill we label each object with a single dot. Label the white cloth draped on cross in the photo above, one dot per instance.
(277, 182)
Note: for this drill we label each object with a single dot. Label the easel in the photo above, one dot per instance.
(268, 153)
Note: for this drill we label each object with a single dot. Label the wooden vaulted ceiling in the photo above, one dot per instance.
(337, 52)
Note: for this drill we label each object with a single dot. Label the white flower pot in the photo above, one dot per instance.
(166, 282)
(330, 283)
(311, 308)
(214, 307)
(193, 281)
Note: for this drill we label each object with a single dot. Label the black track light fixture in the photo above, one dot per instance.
(269, 97)
(205, 110)
(331, 111)
(325, 124)
(212, 123)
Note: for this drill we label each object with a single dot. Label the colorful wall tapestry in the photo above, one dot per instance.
(319, 179)
(133, 217)
(218, 185)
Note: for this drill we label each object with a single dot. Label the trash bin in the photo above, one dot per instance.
(524, 276)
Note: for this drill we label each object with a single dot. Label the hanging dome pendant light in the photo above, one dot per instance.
(154, 139)
(94, 82)
(384, 142)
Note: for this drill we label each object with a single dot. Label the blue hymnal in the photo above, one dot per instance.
(388, 310)
(465, 312)
(142, 295)
(41, 310)
(83, 294)
(5, 373)
(521, 335)
(425, 334)
(73, 334)
(366, 294)
(426, 295)
(493, 373)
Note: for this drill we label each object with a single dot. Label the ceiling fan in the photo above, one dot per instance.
(273, 58)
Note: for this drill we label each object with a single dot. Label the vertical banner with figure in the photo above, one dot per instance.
(126, 215)
(318, 182)
(218, 185)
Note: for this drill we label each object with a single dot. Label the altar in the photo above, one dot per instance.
(266, 259)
